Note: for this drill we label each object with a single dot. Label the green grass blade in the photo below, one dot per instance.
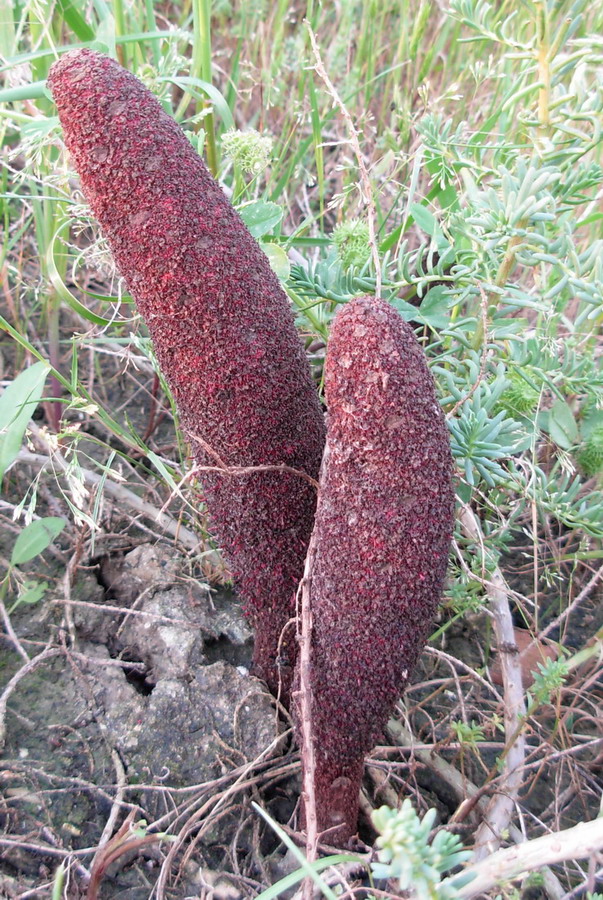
(17, 405)
(218, 101)
(74, 19)
(7, 28)
(35, 90)
(307, 869)
(61, 288)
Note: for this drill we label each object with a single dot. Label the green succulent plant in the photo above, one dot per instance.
(407, 855)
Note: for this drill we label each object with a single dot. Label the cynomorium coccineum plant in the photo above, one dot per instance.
(221, 327)
(382, 535)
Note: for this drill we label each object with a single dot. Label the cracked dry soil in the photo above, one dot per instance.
(157, 698)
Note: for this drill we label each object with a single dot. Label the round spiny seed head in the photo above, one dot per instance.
(519, 396)
(250, 150)
(351, 239)
(590, 456)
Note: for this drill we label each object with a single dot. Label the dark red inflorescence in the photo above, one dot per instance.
(221, 326)
(383, 529)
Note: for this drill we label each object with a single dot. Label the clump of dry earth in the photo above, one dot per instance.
(148, 706)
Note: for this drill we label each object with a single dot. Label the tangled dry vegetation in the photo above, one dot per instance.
(463, 181)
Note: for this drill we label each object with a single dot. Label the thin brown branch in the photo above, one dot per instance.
(11, 632)
(466, 791)
(120, 493)
(501, 808)
(223, 468)
(584, 593)
(304, 699)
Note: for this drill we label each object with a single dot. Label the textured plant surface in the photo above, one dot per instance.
(406, 854)
(383, 529)
(222, 330)
(487, 180)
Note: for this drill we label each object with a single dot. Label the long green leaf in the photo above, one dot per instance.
(61, 288)
(35, 538)
(218, 101)
(75, 20)
(307, 869)
(17, 404)
(294, 878)
(129, 440)
(35, 90)
(7, 28)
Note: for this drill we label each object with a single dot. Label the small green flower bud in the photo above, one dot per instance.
(519, 396)
(351, 239)
(591, 455)
(249, 150)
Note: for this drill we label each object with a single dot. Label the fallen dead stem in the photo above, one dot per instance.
(304, 699)
(502, 806)
(214, 806)
(125, 497)
(583, 841)
(123, 611)
(468, 794)
(6, 622)
(117, 804)
(71, 784)
(580, 598)
(453, 661)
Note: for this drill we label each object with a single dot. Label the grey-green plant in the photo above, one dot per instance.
(549, 678)
(409, 857)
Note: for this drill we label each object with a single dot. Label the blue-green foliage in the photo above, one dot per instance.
(408, 856)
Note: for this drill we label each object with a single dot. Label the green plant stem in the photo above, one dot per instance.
(120, 30)
(544, 69)
(302, 305)
(502, 277)
(77, 391)
(53, 409)
(151, 25)
(201, 68)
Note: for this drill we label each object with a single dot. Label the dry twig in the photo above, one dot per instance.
(584, 840)
(304, 698)
(223, 468)
(501, 807)
(121, 494)
(466, 791)
(48, 653)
